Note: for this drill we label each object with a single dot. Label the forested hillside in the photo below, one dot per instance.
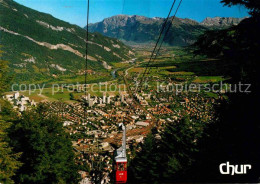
(41, 47)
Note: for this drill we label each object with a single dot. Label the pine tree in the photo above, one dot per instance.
(8, 159)
(48, 155)
(179, 141)
(144, 166)
(252, 5)
(4, 79)
(165, 159)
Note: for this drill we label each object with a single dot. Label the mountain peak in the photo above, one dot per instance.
(221, 21)
(141, 29)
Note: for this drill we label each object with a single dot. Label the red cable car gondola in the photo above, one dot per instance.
(121, 160)
(121, 171)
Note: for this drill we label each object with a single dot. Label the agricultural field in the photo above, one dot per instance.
(72, 93)
(172, 64)
(180, 65)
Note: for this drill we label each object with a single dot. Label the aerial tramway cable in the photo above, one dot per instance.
(153, 56)
(159, 38)
(86, 63)
(168, 29)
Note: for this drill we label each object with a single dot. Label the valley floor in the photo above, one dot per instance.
(96, 137)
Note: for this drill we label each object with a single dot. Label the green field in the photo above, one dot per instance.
(180, 65)
(176, 64)
(64, 94)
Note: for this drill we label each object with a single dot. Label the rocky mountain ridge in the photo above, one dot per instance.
(142, 29)
(221, 21)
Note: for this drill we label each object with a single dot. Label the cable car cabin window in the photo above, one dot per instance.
(121, 167)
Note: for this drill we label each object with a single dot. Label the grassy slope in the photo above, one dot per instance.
(22, 20)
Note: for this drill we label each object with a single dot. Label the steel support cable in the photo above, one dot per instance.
(86, 63)
(168, 29)
(159, 38)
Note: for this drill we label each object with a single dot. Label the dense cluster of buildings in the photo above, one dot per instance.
(20, 102)
(102, 101)
(93, 121)
(95, 137)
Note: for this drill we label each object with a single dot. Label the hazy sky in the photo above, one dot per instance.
(74, 11)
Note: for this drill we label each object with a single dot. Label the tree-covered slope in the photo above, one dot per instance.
(39, 46)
